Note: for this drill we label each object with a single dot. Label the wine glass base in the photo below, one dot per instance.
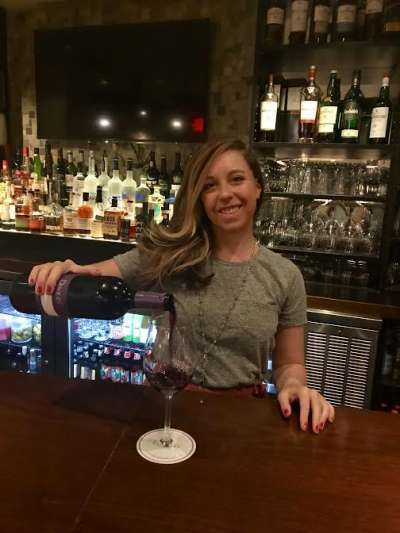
(150, 448)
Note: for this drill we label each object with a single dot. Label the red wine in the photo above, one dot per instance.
(102, 297)
(168, 378)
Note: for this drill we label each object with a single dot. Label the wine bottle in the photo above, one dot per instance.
(391, 17)
(373, 19)
(298, 21)
(360, 22)
(275, 21)
(81, 296)
(268, 113)
(310, 96)
(320, 20)
(328, 111)
(351, 112)
(177, 173)
(164, 179)
(381, 115)
(153, 172)
(345, 20)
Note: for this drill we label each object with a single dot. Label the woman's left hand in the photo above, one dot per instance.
(309, 400)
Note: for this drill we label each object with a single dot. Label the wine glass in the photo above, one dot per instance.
(168, 364)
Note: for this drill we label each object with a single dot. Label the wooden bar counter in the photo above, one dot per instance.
(69, 464)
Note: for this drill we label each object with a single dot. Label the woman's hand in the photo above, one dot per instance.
(45, 276)
(310, 401)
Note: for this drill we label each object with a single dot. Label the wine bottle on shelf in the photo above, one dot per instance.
(298, 21)
(329, 111)
(391, 17)
(81, 166)
(310, 96)
(275, 22)
(373, 18)
(153, 172)
(351, 112)
(268, 112)
(360, 22)
(177, 173)
(345, 20)
(81, 296)
(164, 179)
(320, 21)
(381, 115)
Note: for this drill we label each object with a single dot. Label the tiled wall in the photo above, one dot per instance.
(231, 69)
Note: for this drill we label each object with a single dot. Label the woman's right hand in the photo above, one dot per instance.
(44, 277)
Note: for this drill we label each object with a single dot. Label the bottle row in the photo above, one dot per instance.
(20, 358)
(323, 118)
(322, 21)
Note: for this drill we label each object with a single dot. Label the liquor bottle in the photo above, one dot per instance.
(268, 112)
(177, 173)
(37, 165)
(345, 20)
(82, 296)
(391, 17)
(25, 167)
(373, 18)
(85, 214)
(275, 22)
(152, 173)
(23, 211)
(96, 228)
(156, 202)
(142, 199)
(320, 21)
(310, 96)
(115, 183)
(104, 178)
(298, 21)
(381, 115)
(351, 111)
(328, 111)
(48, 161)
(81, 166)
(360, 22)
(112, 218)
(54, 212)
(70, 173)
(164, 179)
(128, 191)
(90, 183)
(77, 189)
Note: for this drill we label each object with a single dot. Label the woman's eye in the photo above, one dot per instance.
(208, 186)
(238, 178)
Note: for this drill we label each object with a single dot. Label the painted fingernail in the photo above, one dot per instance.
(39, 290)
(30, 281)
(321, 426)
(48, 290)
(316, 429)
(286, 412)
(304, 426)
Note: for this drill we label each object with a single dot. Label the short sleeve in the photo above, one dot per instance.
(129, 264)
(294, 309)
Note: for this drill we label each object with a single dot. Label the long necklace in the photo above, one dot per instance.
(221, 329)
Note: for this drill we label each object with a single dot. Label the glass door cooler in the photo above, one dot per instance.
(108, 350)
(20, 339)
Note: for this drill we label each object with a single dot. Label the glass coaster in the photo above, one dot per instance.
(150, 448)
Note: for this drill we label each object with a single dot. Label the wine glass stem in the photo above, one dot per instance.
(166, 439)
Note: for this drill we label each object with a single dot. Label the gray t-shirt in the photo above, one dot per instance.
(259, 295)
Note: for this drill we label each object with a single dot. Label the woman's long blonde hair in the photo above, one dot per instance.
(186, 243)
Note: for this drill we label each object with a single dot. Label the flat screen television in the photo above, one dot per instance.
(136, 82)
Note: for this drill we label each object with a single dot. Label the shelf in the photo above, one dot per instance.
(323, 253)
(326, 150)
(66, 236)
(301, 196)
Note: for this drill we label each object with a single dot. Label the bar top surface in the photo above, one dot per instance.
(69, 464)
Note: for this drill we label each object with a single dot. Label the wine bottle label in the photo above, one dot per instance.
(327, 119)
(322, 14)
(84, 224)
(70, 220)
(374, 6)
(379, 122)
(69, 180)
(392, 25)
(111, 225)
(299, 15)
(308, 111)
(346, 14)
(268, 115)
(349, 133)
(60, 295)
(275, 15)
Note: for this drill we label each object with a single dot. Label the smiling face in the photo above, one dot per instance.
(229, 195)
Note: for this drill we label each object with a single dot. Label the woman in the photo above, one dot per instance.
(244, 300)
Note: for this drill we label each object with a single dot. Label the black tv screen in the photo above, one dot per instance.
(144, 82)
